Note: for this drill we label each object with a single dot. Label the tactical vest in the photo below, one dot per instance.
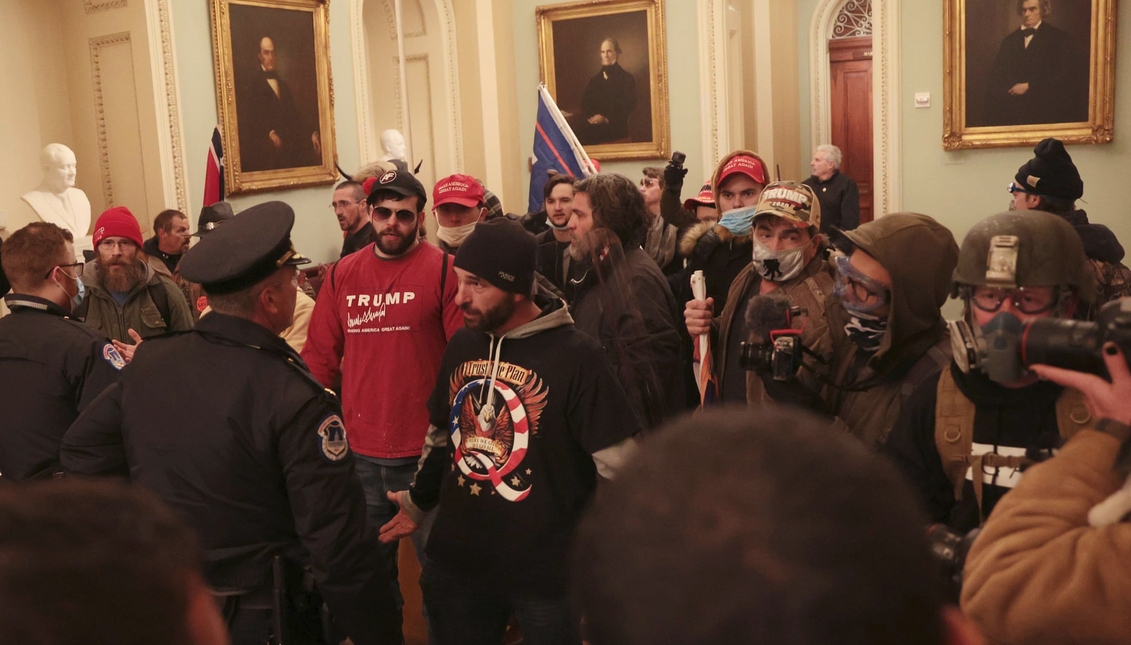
(954, 436)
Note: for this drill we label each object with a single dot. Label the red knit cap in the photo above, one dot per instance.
(117, 222)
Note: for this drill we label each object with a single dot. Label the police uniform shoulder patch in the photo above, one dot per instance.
(111, 355)
(332, 438)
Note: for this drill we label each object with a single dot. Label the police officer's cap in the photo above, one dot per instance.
(244, 251)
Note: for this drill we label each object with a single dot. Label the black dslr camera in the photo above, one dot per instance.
(1078, 345)
(780, 358)
(949, 549)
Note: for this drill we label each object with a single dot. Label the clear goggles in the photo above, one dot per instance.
(858, 291)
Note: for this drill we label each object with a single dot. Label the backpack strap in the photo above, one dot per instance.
(160, 298)
(934, 360)
(954, 431)
(443, 274)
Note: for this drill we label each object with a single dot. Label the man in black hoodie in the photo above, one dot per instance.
(525, 414)
(1050, 182)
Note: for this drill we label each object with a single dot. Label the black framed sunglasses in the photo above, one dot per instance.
(404, 216)
(1014, 188)
(78, 266)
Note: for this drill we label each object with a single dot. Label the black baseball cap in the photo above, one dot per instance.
(401, 182)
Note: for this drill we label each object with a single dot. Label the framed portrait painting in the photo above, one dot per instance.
(1018, 71)
(274, 93)
(604, 62)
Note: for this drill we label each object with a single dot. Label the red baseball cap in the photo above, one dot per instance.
(464, 190)
(750, 166)
(705, 198)
(117, 222)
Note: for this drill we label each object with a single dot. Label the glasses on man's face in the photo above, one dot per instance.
(334, 206)
(109, 244)
(1027, 300)
(77, 266)
(1013, 188)
(647, 182)
(381, 214)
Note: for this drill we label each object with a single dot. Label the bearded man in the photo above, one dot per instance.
(124, 293)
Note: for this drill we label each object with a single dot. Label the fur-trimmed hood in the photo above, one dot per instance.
(691, 238)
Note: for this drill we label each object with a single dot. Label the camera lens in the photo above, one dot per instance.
(1070, 344)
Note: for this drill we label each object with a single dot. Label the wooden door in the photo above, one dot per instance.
(850, 109)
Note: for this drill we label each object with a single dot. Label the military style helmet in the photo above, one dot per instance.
(1023, 248)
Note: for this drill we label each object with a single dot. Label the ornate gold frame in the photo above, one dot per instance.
(1101, 89)
(237, 181)
(660, 145)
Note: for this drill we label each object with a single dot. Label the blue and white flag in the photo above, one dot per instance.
(555, 148)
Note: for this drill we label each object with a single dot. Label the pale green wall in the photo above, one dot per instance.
(959, 188)
(316, 232)
(683, 76)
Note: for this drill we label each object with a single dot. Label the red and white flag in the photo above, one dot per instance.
(214, 174)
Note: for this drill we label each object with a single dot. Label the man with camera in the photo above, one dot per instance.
(886, 325)
(967, 433)
(1050, 565)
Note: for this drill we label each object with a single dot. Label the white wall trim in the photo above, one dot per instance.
(712, 79)
(887, 119)
(163, 64)
(886, 85)
(368, 138)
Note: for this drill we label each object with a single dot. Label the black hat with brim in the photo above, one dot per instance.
(400, 182)
(212, 216)
(244, 251)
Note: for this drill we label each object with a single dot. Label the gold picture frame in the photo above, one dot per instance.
(985, 104)
(276, 135)
(570, 41)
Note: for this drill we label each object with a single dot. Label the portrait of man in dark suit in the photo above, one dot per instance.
(609, 99)
(1037, 76)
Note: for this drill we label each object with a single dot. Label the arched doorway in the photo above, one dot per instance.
(850, 96)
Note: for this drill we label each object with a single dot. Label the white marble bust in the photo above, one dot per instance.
(56, 200)
(392, 142)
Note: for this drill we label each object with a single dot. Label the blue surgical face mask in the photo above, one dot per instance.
(738, 220)
(80, 292)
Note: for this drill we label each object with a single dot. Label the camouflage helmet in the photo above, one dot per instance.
(1023, 249)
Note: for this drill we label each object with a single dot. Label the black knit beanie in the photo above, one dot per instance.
(1051, 172)
(501, 252)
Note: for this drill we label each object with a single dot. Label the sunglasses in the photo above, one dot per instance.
(1014, 188)
(381, 214)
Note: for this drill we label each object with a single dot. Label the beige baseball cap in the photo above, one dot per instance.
(792, 201)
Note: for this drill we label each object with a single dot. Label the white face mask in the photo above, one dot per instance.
(454, 236)
(778, 266)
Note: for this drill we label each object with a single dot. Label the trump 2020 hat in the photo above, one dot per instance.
(791, 201)
(244, 251)
(502, 253)
(464, 190)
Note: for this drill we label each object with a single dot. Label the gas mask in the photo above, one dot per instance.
(994, 350)
(778, 266)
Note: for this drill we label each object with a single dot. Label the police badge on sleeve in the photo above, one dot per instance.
(111, 355)
(332, 438)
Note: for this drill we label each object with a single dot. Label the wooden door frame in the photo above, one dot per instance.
(857, 53)
(886, 86)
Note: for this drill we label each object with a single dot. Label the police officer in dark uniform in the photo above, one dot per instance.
(227, 425)
(51, 366)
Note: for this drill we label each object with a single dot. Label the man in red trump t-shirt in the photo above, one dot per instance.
(382, 320)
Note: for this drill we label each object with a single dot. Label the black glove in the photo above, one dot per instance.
(793, 392)
(673, 177)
